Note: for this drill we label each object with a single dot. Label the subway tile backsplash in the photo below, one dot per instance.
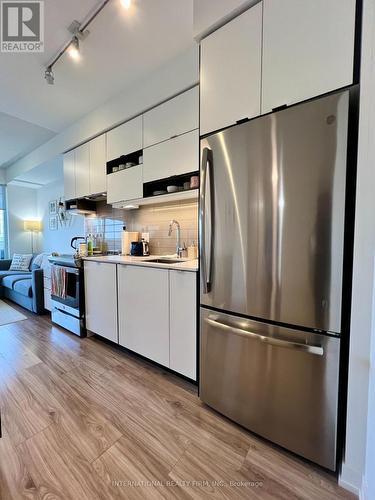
(109, 222)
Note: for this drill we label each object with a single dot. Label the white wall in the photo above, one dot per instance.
(22, 205)
(56, 241)
(175, 77)
(209, 15)
(357, 439)
(369, 481)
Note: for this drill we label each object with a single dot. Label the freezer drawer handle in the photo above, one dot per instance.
(310, 349)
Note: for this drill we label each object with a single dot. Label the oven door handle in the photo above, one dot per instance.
(70, 270)
(73, 271)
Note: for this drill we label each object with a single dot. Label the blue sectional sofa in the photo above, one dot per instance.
(23, 288)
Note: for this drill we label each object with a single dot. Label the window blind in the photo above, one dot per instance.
(2, 197)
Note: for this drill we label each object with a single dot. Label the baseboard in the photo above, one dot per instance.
(349, 487)
(350, 480)
(363, 494)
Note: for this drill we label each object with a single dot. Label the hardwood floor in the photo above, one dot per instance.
(82, 420)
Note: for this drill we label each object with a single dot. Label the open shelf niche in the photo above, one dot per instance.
(161, 185)
(136, 157)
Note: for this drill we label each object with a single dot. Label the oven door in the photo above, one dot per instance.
(70, 293)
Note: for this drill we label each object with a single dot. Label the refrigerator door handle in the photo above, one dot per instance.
(307, 348)
(205, 220)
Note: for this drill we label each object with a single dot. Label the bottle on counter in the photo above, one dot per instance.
(192, 251)
(90, 245)
(101, 242)
(96, 244)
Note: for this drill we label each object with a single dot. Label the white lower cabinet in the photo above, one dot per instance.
(183, 323)
(143, 295)
(101, 299)
(155, 310)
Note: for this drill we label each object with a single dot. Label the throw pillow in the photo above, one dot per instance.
(20, 262)
(38, 260)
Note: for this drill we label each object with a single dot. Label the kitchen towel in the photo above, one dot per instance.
(58, 282)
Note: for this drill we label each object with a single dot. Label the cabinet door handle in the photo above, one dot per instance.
(279, 108)
(242, 120)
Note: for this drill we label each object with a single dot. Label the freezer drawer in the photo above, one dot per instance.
(279, 383)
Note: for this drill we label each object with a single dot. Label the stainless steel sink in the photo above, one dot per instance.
(165, 261)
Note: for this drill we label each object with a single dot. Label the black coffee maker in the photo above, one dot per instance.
(139, 248)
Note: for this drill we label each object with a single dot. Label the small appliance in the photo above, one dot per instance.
(145, 247)
(139, 249)
(136, 249)
(81, 248)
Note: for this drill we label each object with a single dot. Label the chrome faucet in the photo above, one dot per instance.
(179, 248)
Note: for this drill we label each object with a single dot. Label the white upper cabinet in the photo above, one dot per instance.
(125, 185)
(231, 71)
(85, 169)
(125, 139)
(69, 176)
(174, 157)
(82, 170)
(209, 14)
(308, 49)
(98, 180)
(172, 118)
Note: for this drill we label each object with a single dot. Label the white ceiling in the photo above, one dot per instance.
(124, 46)
(44, 174)
(18, 137)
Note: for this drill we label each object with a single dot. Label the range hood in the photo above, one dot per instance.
(81, 207)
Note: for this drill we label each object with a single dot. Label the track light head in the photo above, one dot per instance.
(75, 29)
(126, 3)
(49, 76)
(73, 49)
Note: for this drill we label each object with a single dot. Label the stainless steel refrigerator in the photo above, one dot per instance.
(272, 209)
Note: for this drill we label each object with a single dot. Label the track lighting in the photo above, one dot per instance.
(73, 49)
(126, 3)
(79, 32)
(49, 76)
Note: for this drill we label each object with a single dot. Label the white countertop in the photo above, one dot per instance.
(184, 265)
